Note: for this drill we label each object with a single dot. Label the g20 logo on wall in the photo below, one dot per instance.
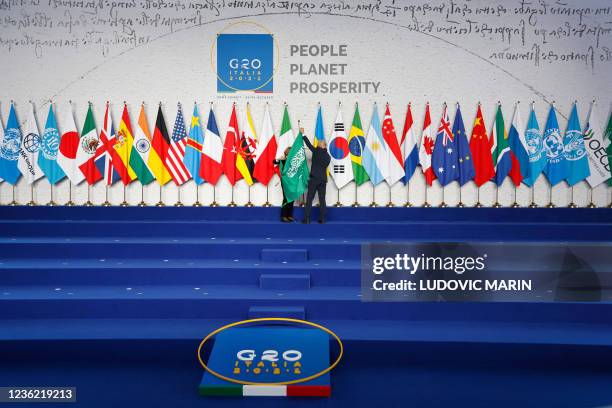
(244, 61)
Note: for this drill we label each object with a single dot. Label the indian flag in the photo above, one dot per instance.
(141, 145)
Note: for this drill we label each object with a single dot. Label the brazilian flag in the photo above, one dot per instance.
(356, 142)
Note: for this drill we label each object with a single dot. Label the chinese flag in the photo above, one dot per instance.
(481, 151)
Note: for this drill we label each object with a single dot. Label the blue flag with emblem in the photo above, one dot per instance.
(535, 149)
(193, 149)
(515, 140)
(445, 160)
(575, 150)
(466, 164)
(47, 158)
(319, 131)
(556, 168)
(9, 149)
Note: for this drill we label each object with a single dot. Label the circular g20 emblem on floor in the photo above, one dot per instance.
(31, 142)
(143, 145)
(9, 146)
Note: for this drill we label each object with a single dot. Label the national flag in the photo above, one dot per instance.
(556, 168)
(47, 160)
(144, 146)
(194, 147)
(535, 149)
(294, 174)
(159, 153)
(596, 150)
(341, 167)
(212, 151)
(9, 149)
(176, 150)
(481, 151)
(394, 154)
(266, 151)
(444, 159)
(409, 146)
(248, 145)
(69, 147)
(123, 142)
(375, 156)
(93, 168)
(110, 157)
(286, 137)
(608, 139)
(357, 143)
(30, 149)
(426, 149)
(500, 149)
(140, 148)
(231, 146)
(520, 157)
(575, 150)
(319, 130)
(466, 163)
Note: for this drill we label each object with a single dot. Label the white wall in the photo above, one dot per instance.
(419, 50)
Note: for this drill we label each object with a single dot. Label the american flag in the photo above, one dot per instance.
(176, 152)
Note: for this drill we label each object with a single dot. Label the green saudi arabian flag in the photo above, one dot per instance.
(356, 142)
(294, 175)
(609, 148)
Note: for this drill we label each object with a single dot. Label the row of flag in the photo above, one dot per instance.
(135, 153)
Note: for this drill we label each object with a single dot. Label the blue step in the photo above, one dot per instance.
(284, 255)
(284, 281)
(293, 312)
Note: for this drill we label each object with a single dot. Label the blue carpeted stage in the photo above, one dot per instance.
(115, 301)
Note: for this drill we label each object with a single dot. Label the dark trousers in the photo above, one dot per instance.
(316, 186)
(286, 209)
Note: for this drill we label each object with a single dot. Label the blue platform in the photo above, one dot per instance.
(78, 284)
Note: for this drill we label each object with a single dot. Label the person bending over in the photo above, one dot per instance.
(317, 183)
(286, 207)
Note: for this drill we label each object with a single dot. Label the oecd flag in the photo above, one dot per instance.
(556, 168)
(9, 149)
(575, 151)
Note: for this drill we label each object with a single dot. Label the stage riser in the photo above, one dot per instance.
(232, 275)
(316, 310)
(271, 214)
(365, 232)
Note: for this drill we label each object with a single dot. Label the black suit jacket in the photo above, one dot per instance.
(320, 161)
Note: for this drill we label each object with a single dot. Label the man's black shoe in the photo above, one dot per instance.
(321, 220)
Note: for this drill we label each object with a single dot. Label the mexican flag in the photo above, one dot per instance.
(295, 172)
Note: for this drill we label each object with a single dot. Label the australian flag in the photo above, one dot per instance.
(466, 164)
(445, 158)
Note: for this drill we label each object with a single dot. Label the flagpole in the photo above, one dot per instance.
(160, 203)
(178, 203)
(124, 203)
(32, 202)
(591, 203)
(106, 203)
(51, 203)
(13, 203)
(214, 202)
(550, 194)
(232, 203)
(88, 203)
(572, 204)
(142, 201)
(373, 203)
(69, 203)
(408, 195)
(533, 203)
(478, 204)
(443, 204)
(515, 204)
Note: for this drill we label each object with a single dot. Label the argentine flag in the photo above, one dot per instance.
(10, 145)
(575, 150)
(535, 149)
(375, 151)
(556, 168)
(515, 140)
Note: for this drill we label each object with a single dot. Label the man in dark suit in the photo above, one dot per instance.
(317, 183)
